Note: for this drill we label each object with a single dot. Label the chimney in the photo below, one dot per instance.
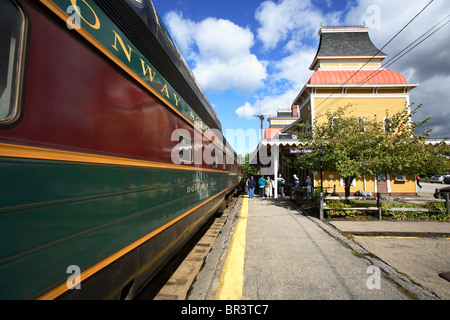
(295, 111)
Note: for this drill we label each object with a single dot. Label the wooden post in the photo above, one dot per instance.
(321, 207)
(379, 205)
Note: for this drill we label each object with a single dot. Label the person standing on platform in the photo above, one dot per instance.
(281, 184)
(295, 185)
(296, 181)
(268, 187)
(308, 185)
(251, 187)
(261, 185)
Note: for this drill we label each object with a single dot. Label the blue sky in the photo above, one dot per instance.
(253, 54)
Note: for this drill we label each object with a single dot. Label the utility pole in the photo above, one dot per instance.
(261, 118)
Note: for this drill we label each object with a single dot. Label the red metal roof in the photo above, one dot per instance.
(356, 77)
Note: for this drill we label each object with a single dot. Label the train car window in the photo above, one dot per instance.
(214, 159)
(167, 34)
(12, 29)
(185, 153)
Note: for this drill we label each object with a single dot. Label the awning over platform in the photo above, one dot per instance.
(262, 153)
(282, 142)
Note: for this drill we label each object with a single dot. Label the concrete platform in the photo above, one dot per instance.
(394, 228)
(285, 255)
(418, 249)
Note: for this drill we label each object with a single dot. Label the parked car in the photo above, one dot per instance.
(442, 192)
(447, 179)
(438, 178)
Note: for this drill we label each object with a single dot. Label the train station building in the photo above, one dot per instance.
(348, 72)
(275, 144)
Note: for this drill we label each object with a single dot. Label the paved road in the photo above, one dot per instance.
(429, 188)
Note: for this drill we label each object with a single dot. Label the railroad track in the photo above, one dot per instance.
(176, 278)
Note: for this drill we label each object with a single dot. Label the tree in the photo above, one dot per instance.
(246, 167)
(355, 147)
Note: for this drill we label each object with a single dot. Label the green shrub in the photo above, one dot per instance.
(337, 211)
(438, 212)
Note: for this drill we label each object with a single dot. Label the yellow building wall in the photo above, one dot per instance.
(367, 108)
(358, 107)
(331, 179)
(407, 187)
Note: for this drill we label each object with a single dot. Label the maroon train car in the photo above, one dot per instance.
(111, 156)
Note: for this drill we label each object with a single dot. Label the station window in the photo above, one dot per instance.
(12, 31)
(335, 123)
(362, 124)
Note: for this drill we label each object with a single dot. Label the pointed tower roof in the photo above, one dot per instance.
(347, 59)
(346, 43)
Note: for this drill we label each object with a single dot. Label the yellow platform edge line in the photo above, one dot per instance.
(384, 237)
(232, 279)
(389, 237)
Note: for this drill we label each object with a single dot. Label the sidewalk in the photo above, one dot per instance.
(289, 256)
(419, 249)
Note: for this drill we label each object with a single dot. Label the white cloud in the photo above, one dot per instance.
(221, 53)
(244, 74)
(293, 25)
(295, 67)
(222, 39)
(268, 105)
(246, 111)
(290, 19)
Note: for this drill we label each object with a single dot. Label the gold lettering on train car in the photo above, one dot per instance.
(127, 53)
(176, 100)
(166, 91)
(96, 25)
(197, 187)
(146, 68)
(192, 115)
